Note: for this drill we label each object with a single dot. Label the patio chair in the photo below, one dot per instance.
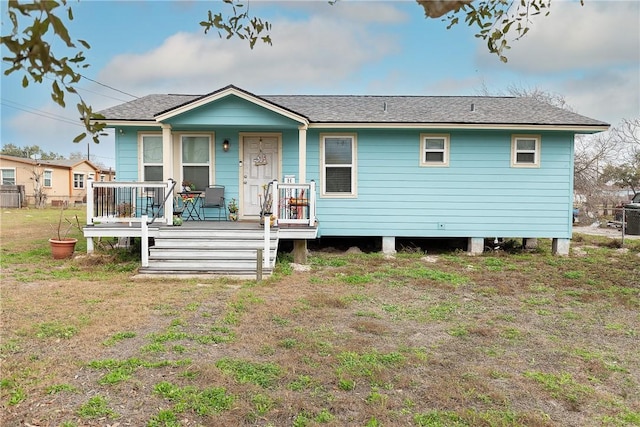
(214, 199)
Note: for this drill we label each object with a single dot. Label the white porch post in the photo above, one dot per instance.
(89, 221)
(302, 154)
(167, 153)
(168, 205)
(144, 241)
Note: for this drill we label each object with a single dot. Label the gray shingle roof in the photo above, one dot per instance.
(381, 109)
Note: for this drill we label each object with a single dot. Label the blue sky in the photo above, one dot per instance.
(588, 54)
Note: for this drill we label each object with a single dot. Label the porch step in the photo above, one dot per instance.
(231, 252)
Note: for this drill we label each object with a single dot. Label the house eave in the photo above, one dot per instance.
(467, 126)
(115, 123)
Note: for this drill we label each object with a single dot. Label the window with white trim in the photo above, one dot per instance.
(78, 180)
(434, 150)
(47, 176)
(151, 158)
(196, 160)
(525, 151)
(8, 176)
(338, 165)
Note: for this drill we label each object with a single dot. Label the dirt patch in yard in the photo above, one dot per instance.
(517, 338)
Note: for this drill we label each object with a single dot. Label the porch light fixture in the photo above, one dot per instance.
(225, 145)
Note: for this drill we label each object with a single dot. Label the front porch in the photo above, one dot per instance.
(146, 210)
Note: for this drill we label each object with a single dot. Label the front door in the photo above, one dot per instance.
(260, 165)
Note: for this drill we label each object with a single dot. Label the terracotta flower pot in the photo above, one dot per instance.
(64, 248)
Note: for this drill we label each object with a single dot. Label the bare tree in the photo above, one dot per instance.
(39, 196)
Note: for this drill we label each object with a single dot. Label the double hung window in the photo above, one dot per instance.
(152, 158)
(434, 150)
(47, 178)
(338, 165)
(8, 176)
(196, 160)
(525, 151)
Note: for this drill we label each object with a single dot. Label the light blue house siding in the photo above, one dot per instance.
(478, 195)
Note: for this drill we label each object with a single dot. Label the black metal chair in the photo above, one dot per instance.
(214, 199)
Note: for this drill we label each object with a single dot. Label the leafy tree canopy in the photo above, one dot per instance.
(29, 151)
(38, 24)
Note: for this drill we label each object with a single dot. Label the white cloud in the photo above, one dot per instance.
(599, 34)
(314, 52)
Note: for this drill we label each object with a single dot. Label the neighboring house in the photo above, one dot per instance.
(63, 181)
(385, 166)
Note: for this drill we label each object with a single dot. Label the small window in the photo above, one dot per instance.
(48, 178)
(525, 151)
(434, 150)
(338, 165)
(78, 180)
(8, 176)
(102, 177)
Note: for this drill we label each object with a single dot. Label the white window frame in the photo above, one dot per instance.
(2, 173)
(141, 163)
(79, 183)
(209, 163)
(537, 151)
(354, 165)
(49, 178)
(445, 151)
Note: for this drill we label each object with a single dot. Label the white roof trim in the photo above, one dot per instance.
(475, 126)
(240, 94)
(141, 123)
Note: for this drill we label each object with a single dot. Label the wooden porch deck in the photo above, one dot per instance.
(205, 247)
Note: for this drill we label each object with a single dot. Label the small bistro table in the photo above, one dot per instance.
(191, 200)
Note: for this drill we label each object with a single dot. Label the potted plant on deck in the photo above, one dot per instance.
(233, 210)
(61, 245)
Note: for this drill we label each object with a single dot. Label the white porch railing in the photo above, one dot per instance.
(296, 203)
(129, 202)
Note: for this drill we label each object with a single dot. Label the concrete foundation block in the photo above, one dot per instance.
(300, 251)
(530, 243)
(475, 246)
(560, 247)
(388, 245)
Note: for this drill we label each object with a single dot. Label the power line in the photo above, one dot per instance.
(40, 113)
(109, 87)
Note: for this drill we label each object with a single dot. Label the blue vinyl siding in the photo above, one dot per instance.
(478, 195)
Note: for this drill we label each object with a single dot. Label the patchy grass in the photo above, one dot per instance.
(511, 338)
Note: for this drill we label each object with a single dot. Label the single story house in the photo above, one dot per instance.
(63, 181)
(387, 166)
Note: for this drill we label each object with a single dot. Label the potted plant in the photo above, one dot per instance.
(63, 246)
(233, 210)
(188, 186)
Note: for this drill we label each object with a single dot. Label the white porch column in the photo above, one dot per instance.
(302, 154)
(167, 153)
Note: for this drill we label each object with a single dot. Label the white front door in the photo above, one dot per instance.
(260, 162)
